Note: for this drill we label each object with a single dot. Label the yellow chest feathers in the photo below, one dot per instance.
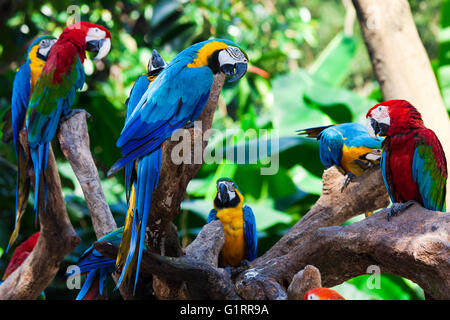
(349, 155)
(233, 251)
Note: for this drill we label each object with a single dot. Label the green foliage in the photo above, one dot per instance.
(317, 75)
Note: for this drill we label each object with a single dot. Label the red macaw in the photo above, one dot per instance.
(20, 254)
(413, 162)
(323, 294)
(55, 89)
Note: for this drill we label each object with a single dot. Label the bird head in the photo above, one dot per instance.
(90, 37)
(156, 63)
(40, 47)
(391, 117)
(221, 56)
(228, 195)
(323, 294)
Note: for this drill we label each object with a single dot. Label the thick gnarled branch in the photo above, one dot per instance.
(57, 239)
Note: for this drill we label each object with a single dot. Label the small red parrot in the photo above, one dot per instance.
(413, 162)
(20, 254)
(323, 294)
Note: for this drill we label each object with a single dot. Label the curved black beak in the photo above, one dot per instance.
(157, 61)
(240, 70)
(380, 129)
(94, 45)
(223, 193)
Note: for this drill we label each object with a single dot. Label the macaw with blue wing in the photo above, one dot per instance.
(54, 92)
(24, 84)
(239, 224)
(413, 162)
(347, 146)
(97, 267)
(155, 66)
(175, 98)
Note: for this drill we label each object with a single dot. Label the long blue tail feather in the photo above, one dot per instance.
(147, 179)
(39, 156)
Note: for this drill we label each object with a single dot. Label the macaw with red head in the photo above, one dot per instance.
(55, 89)
(323, 294)
(413, 162)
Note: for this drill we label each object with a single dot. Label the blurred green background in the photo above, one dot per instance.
(316, 71)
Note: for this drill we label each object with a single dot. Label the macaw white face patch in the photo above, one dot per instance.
(381, 115)
(231, 55)
(95, 34)
(45, 45)
(312, 296)
(230, 190)
(374, 155)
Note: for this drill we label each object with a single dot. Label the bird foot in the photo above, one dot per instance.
(69, 114)
(398, 208)
(363, 163)
(348, 177)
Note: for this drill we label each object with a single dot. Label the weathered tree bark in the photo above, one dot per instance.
(303, 281)
(401, 64)
(365, 193)
(74, 139)
(197, 270)
(414, 245)
(56, 240)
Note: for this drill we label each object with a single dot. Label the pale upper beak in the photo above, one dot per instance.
(101, 47)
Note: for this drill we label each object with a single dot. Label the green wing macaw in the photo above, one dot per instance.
(55, 89)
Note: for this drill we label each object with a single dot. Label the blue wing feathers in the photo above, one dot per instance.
(250, 233)
(212, 216)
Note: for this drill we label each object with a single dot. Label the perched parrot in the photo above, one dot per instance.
(24, 83)
(348, 146)
(97, 267)
(155, 66)
(55, 89)
(323, 294)
(238, 222)
(176, 97)
(413, 162)
(19, 255)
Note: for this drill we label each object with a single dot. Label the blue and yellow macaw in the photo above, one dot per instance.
(155, 66)
(239, 224)
(55, 89)
(23, 86)
(97, 267)
(348, 146)
(176, 97)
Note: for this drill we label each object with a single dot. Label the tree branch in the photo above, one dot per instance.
(74, 140)
(401, 64)
(414, 245)
(56, 240)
